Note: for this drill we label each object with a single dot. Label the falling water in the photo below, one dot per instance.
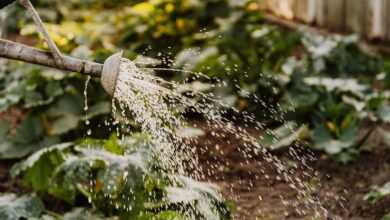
(157, 106)
(85, 93)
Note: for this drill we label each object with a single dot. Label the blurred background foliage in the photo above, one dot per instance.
(327, 83)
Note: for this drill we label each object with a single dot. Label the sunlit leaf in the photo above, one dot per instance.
(323, 140)
(82, 214)
(283, 136)
(38, 168)
(384, 113)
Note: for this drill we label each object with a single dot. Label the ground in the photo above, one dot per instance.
(256, 190)
(340, 188)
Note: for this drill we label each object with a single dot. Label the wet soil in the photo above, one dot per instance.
(258, 192)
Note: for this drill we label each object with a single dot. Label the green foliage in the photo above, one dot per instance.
(53, 103)
(378, 193)
(331, 85)
(386, 217)
(125, 183)
(283, 136)
(24, 207)
(83, 214)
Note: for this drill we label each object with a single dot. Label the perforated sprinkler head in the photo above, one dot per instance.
(110, 72)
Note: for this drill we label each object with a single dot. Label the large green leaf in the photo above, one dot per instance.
(30, 130)
(198, 200)
(39, 167)
(26, 138)
(323, 139)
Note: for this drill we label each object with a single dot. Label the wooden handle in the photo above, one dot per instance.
(16, 51)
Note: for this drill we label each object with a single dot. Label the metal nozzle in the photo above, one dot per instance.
(110, 72)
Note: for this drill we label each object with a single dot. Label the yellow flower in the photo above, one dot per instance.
(253, 6)
(345, 123)
(143, 9)
(242, 104)
(98, 186)
(331, 126)
(180, 24)
(155, 2)
(169, 8)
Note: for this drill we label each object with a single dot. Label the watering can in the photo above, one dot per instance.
(108, 72)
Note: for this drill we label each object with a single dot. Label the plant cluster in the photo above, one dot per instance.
(119, 178)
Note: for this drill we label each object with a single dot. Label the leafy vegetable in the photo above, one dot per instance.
(125, 183)
(283, 136)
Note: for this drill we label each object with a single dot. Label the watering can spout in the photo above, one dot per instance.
(110, 72)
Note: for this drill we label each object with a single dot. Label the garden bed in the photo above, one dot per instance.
(351, 182)
(342, 187)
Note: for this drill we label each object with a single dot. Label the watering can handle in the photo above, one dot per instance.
(17, 51)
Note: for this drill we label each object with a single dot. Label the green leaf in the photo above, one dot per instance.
(384, 113)
(377, 193)
(39, 167)
(323, 140)
(13, 93)
(302, 99)
(99, 108)
(10, 150)
(68, 104)
(24, 207)
(53, 89)
(64, 124)
(337, 84)
(283, 136)
(164, 215)
(112, 145)
(30, 130)
(26, 138)
(201, 199)
(386, 217)
(82, 214)
(33, 99)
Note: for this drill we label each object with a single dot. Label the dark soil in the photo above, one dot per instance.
(6, 183)
(255, 187)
